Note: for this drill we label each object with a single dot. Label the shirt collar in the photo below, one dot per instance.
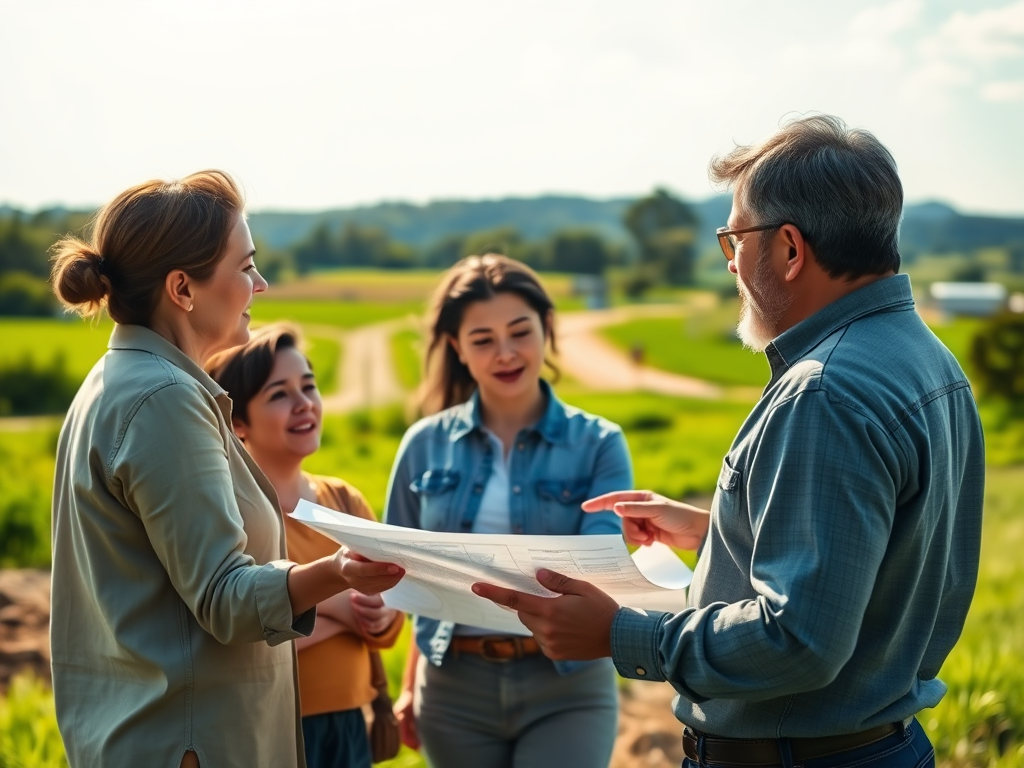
(140, 338)
(891, 294)
(553, 425)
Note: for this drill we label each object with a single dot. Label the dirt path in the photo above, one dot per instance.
(366, 370)
(598, 364)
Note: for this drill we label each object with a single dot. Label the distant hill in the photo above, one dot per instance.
(929, 227)
(423, 225)
(938, 228)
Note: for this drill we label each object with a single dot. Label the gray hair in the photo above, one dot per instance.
(838, 186)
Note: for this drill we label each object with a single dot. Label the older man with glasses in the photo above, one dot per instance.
(840, 554)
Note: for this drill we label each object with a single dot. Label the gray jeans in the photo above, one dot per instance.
(471, 712)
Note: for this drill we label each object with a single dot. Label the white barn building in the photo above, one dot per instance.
(971, 299)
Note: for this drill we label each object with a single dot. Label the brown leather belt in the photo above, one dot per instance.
(764, 753)
(495, 647)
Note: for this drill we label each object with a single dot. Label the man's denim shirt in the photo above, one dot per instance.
(845, 533)
(445, 460)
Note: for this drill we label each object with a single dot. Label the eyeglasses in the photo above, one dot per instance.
(727, 239)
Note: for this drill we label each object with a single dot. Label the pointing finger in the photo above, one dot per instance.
(608, 501)
(639, 508)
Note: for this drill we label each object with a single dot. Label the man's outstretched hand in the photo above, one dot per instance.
(648, 517)
(575, 626)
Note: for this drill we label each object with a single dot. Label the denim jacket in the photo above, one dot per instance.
(445, 461)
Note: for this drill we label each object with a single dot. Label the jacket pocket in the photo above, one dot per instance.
(436, 490)
(568, 492)
(559, 505)
(435, 481)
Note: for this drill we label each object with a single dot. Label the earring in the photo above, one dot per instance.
(190, 307)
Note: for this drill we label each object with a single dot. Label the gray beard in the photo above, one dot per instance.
(761, 308)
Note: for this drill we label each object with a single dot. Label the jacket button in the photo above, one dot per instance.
(520, 446)
(516, 489)
(565, 494)
(641, 671)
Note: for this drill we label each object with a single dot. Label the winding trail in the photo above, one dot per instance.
(366, 369)
(600, 365)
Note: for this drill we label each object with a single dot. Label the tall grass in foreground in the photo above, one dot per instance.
(28, 727)
(980, 722)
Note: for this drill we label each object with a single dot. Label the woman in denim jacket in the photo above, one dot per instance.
(501, 454)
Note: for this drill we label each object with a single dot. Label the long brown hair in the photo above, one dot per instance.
(139, 237)
(446, 380)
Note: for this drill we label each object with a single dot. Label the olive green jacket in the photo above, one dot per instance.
(170, 608)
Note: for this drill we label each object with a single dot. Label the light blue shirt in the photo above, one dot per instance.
(446, 460)
(845, 533)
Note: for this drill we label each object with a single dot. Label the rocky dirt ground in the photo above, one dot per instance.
(648, 733)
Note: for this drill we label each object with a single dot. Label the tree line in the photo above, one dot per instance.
(663, 230)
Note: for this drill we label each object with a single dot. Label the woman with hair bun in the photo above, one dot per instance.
(172, 598)
(499, 453)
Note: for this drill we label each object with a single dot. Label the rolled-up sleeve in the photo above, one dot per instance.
(172, 468)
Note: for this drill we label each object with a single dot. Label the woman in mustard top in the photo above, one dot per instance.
(276, 412)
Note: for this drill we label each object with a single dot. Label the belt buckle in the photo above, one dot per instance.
(489, 644)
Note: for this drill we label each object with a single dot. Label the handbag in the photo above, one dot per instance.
(384, 737)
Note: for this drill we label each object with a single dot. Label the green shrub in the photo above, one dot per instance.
(997, 359)
(27, 388)
(24, 295)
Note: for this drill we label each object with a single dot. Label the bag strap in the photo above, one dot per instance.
(378, 677)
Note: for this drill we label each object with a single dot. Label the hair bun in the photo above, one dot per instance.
(79, 276)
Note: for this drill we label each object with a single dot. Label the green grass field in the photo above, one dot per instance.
(689, 347)
(338, 314)
(324, 355)
(407, 354)
(81, 343)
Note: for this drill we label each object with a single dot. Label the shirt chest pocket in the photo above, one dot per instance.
(436, 489)
(727, 502)
(559, 505)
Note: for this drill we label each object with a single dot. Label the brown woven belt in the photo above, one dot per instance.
(495, 647)
(764, 753)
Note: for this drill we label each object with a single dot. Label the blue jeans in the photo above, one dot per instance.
(907, 749)
(336, 740)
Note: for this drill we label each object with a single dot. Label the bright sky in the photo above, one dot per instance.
(323, 103)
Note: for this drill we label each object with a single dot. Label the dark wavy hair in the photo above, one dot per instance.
(446, 381)
(243, 370)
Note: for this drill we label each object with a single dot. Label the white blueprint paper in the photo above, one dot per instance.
(441, 567)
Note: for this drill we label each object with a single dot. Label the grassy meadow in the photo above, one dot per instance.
(677, 446)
